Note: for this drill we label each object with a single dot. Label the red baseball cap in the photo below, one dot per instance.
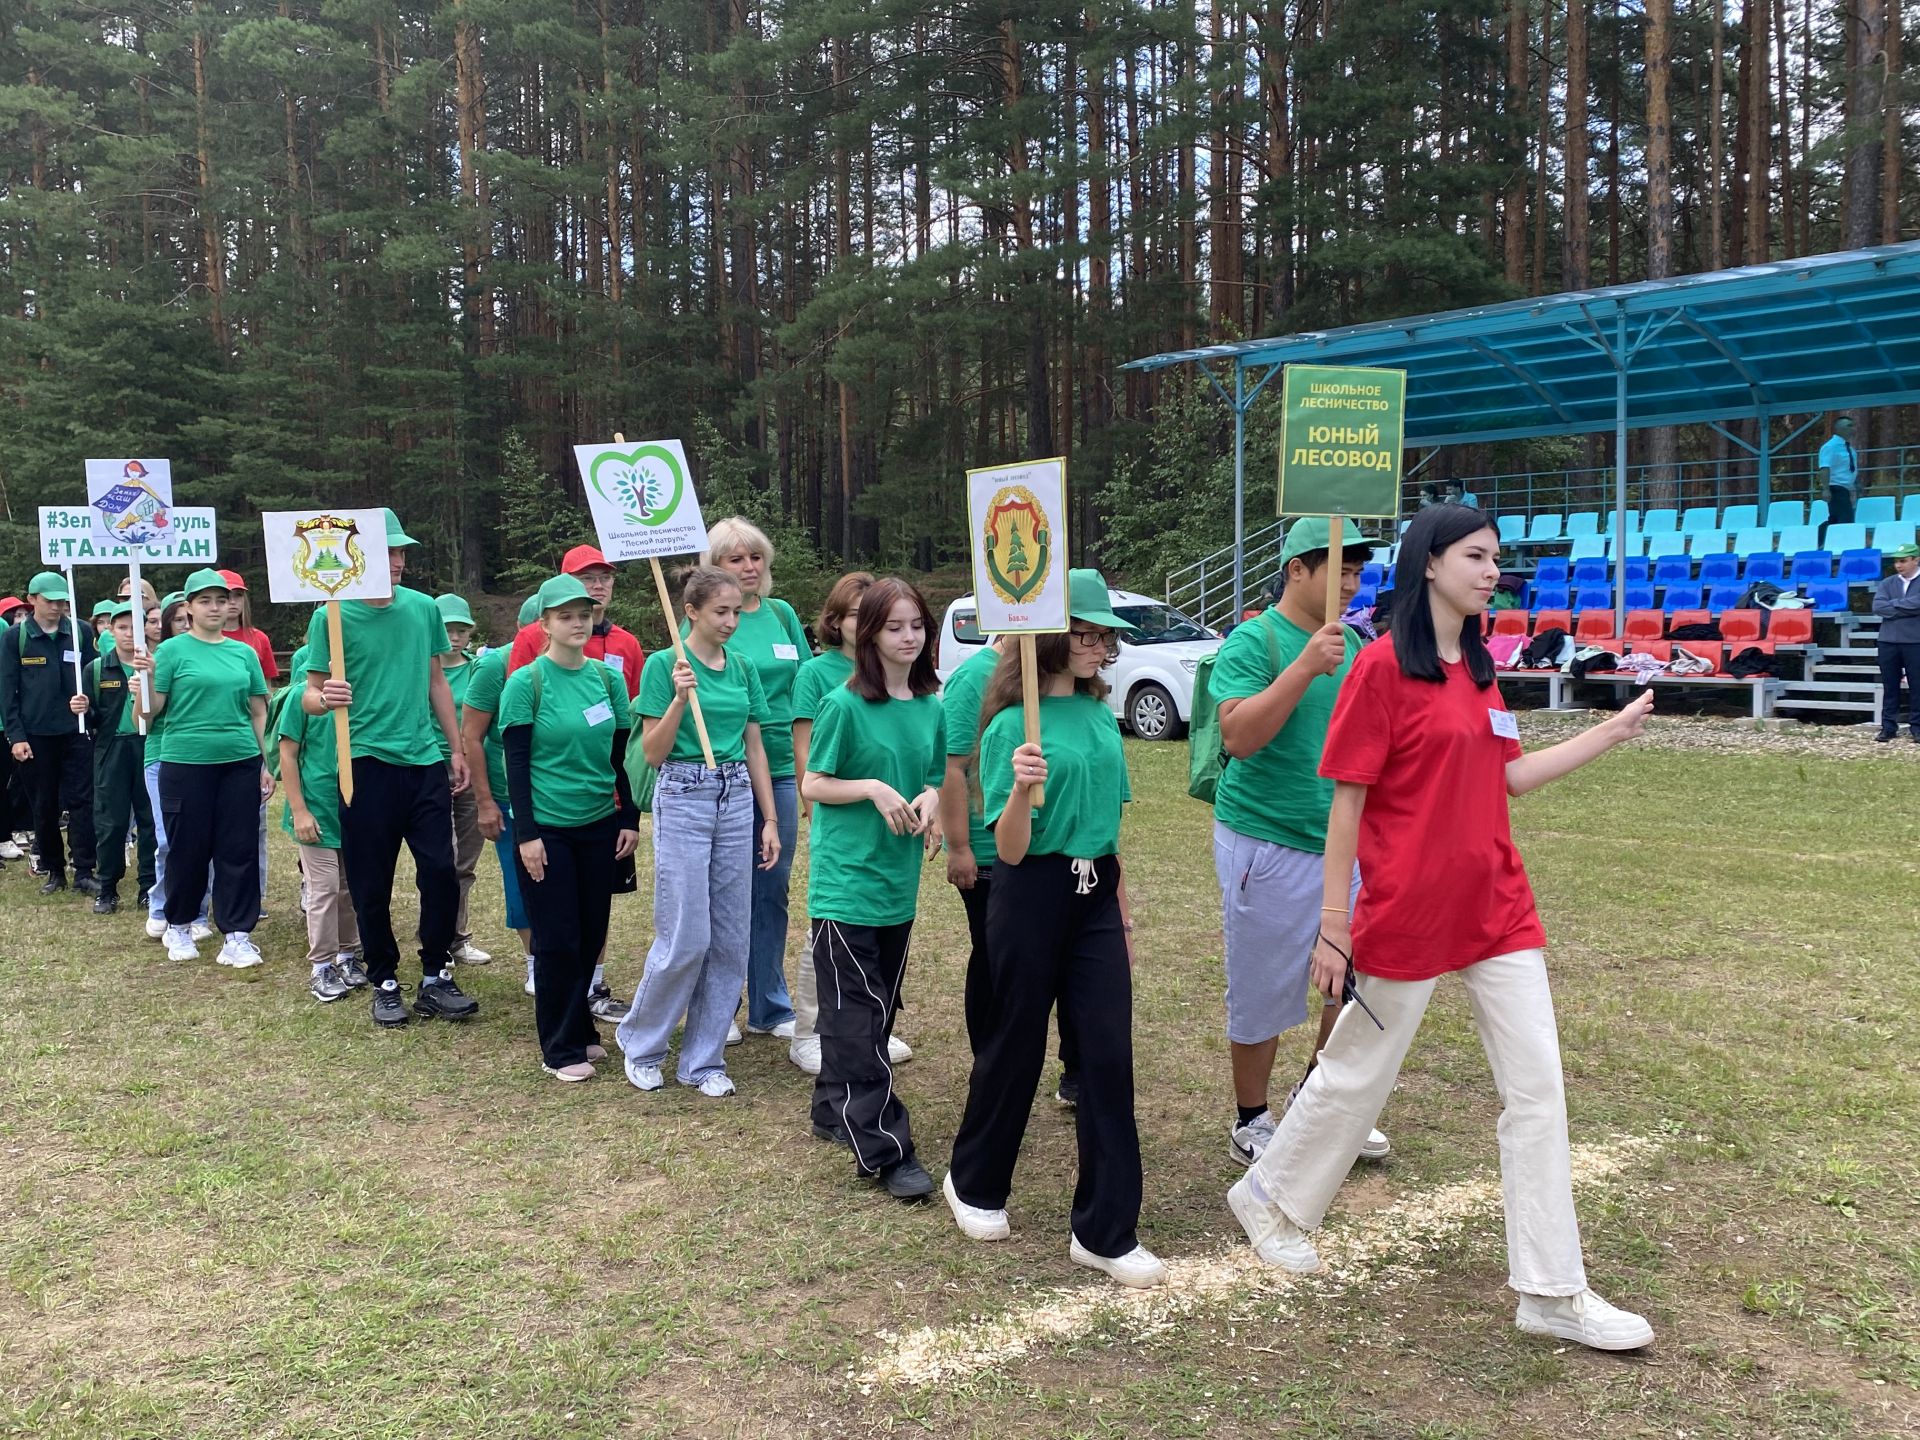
(233, 579)
(582, 557)
(11, 602)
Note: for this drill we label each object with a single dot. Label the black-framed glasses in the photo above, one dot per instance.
(1094, 639)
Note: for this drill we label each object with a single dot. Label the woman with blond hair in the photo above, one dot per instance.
(771, 640)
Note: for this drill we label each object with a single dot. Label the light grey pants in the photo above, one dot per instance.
(702, 917)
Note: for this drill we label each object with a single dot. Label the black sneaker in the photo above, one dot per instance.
(832, 1134)
(908, 1180)
(1067, 1094)
(105, 903)
(86, 884)
(140, 901)
(55, 884)
(440, 996)
(603, 1004)
(1885, 735)
(388, 1008)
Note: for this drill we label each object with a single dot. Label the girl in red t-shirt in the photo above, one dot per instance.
(1424, 754)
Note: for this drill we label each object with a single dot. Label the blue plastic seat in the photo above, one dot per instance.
(1796, 538)
(1593, 597)
(1511, 528)
(1725, 597)
(1894, 532)
(1660, 522)
(1372, 574)
(1661, 545)
(1828, 596)
(1545, 527)
(1365, 595)
(1785, 514)
(1719, 569)
(1699, 517)
(1591, 571)
(1770, 567)
(1682, 597)
(1909, 508)
(1550, 597)
(1671, 570)
(1588, 523)
(1588, 547)
(1874, 510)
(1639, 571)
(1846, 537)
(1811, 565)
(1740, 517)
(1753, 540)
(1635, 544)
(1817, 514)
(1707, 542)
(1860, 565)
(1639, 597)
(1552, 570)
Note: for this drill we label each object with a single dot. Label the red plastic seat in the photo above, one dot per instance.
(1738, 625)
(1645, 625)
(1688, 617)
(1791, 627)
(1658, 649)
(1552, 620)
(1509, 622)
(1711, 650)
(1594, 625)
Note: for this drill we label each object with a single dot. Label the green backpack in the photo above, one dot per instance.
(1206, 755)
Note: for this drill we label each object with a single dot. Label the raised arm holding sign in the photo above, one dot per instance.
(644, 506)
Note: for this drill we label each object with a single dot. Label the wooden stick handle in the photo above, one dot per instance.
(680, 653)
(1030, 703)
(337, 668)
(139, 640)
(1336, 536)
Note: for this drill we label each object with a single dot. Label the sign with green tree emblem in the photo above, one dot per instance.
(1017, 516)
(1340, 441)
(642, 498)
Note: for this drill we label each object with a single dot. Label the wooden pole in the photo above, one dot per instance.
(337, 669)
(1336, 535)
(73, 614)
(139, 637)
(1030, 703)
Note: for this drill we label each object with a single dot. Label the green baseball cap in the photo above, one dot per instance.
(530, 608)
(453, 610)
(115, 609)
(396, 536)
(49, 585)
(203, 580)
(171, 596)
(1088, 600)
(103, 607)
(1312, 532)
(1902, 552)
(561, 590)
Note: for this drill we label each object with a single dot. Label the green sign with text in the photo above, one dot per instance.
(1340, 441)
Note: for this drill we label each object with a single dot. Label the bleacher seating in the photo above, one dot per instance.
(1591, 570)
(1740, 625)
(1874, 510)
(1594, 625)
(1700, 517)
(1719, 569)
(1661, 546)
(1593, 597)
(1672, 570)
(1373, 574)
(1545, 528)
(1509, 622)
(1677, 618)
(1638, 596)
(1892, 533)
(1810, 565)
(1753, 540)
(1786, 514)
(1724, 597)
(1828, 596)
(1511, 528)
(1707, 542)
(1554, 570)
(1740, 517)
(1770, 567)
(1660, 522)
(1550, 597)
(1560, 619)
(1684, 597)
(1790, 627)
(1910, 508)
(1648, 624)
(1862, 564)
(1846, 537)
(1588, 523)
(1588, 547)
(1796, 538)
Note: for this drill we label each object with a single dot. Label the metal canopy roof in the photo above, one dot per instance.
(1827, 332)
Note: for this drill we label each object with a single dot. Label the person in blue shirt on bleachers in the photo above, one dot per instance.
(1897, 603)
(1841, 463)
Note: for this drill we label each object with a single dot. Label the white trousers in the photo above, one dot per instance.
(1320, 1136)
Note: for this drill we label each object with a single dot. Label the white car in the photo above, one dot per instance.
(1153, 678)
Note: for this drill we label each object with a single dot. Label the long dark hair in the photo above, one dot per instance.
(869, 679)
(1434, 530)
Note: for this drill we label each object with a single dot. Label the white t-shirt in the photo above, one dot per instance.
(1841, 462)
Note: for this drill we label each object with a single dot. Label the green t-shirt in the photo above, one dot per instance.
(486, 678)
(772, 640)
(209, 685)
(157, 726)
(319, 764)
(1277, 793)
(1081, 741)
(458, 678)
(961, 700)
(572, 750)
(390, 650)
(860, 872)
(826, 672)
(729, 698)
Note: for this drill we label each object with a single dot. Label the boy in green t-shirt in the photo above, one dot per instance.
(457, 665)
(1276, 679)
(310, 776)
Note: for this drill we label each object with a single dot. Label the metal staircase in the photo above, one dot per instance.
(1843, 679)
(1204, 590)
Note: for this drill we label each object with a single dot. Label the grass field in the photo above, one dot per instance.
(226, 1211)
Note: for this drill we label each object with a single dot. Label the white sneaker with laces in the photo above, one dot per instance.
(156, 927)
(898, 1051)
(1275, 1239)
(1249, 1141)
(1585, 1319)
(782, 1031)
(804, 1052)
(201, 930)
(715, 1084)
(1139, 1268)
(1376, 1146)
(974, 1222)
(9, 850)
(644, 1077)
(468, 953)
(734, 1037)
(240, 952)
(180, 944)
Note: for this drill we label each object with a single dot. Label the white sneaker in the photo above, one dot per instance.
(644, 1077)
(180, 944)
(156, 927)
(570, 1074)
(782, 1031)
(734, 1037)
(1376, 1146)
(715, 1084)
(1275, 1239)
(1139, 1267)
(805, 1053)
(468, 953)
(9, 850)
(1249, 1141)
(1585, 1319)
(898, 1051)
(201, 930)
(528, 987)
(240, 952)
(974, 1222)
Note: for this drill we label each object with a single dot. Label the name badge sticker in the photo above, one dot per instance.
(615, 663)
(1504, 725)
(786, 652)
(598, 714)
(69, 656)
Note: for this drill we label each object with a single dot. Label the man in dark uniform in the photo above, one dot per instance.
(119, 763)
(40, 702)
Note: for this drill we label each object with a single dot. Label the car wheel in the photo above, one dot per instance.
(1151, 716)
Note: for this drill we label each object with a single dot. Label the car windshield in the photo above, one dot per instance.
(1160, 625)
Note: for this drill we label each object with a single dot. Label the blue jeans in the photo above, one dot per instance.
(767, 1002)
(702, 892)
(157, 896)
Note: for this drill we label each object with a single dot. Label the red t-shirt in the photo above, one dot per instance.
(617, 647)
(262, 647)
(1441, 884)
